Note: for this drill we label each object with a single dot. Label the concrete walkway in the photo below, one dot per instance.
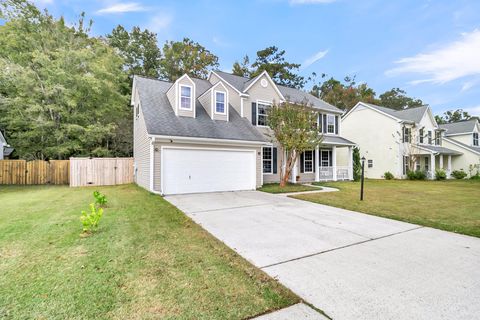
(348, 264)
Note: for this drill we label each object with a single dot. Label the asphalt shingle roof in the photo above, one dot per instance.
(475, 149)
(466, 126)
(291, 94)
(336, 140)
(411, 114)
(441, 150)
(160, 119)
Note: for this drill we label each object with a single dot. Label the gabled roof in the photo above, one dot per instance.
(2, 138)
(160, 118)
(410, 114)
(290, 94)
(463, 145)
(7, 151)
(460, 127)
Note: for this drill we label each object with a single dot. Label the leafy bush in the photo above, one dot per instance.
(440, 174)
(357, 165)
(388, 175)
(416, 175)
(91, 219)
(475, 177)
(100, 199)
(459, 174)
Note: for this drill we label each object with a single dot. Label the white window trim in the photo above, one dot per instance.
(267, 103)
(473, 139)
(271, 160)
(225, 102)
(368, 163)
(320, 160)
(430, 138)
(304, 161)
(334, 126)
(180, 97)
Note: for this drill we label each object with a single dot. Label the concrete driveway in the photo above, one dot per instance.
(348, 264)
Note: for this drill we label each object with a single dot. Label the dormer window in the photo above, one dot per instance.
(475, 139)
(220, 102)
(330, 123)
(185, 97)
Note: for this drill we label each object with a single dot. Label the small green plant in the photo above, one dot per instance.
(416, 175)
(440, 174)
(388, 175)
(100, 199)
(91, 219)
(459, 174)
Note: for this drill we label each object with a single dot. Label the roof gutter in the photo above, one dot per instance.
(179, 139)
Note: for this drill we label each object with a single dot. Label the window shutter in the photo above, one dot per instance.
(320, 122)
(254, 113)
(301, 163)
(336, 124)
(274, 158)
(324, 123)
(403, 134)
(330, 160)
(314, 163)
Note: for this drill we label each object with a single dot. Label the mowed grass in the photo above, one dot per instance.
(291, 187)
(448, 205)
(147, 261)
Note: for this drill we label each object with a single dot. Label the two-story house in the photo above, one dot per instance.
(196, 135)
(397, 141)
(463, 136)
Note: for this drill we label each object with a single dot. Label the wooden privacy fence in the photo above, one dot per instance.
(100, 171)
(34, 172)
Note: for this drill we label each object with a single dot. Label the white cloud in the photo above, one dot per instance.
(311, 60)
(294, 2)
(453, 61)
(122, 8)
(160, 22)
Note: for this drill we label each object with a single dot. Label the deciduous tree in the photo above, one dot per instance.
(452, 116)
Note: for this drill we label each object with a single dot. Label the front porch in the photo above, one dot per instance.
(432, 158)
(324, 163)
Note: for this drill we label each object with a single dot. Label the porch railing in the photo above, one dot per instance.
(326, 173)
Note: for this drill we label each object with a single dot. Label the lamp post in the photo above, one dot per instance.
(362, 178)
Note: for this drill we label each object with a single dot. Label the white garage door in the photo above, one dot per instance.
(207, 170)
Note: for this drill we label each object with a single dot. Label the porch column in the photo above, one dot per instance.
(449, 166)
(317, 167)
(350, 163)
(294, 172)
(440, 161)
(432, 166)
(334, 162)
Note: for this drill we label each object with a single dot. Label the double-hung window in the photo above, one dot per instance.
(438, 138)
(421, 132)
(267, 159)
(406, 134)
(262, 110)
(429, 137)
(330, 123)
(308, 161)
(220, 102)
(185, 97)
(475, 139)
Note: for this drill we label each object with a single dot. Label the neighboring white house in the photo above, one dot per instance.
(463, 136)
(198, 135)
(5, 149)
(397, 141)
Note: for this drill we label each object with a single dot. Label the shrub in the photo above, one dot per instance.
(416, 175)
(475, 176)
(388, 175)
(459, 174)
(440, 174)
(91, 219)
(100, 199)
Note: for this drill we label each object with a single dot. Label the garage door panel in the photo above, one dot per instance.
(207, 170)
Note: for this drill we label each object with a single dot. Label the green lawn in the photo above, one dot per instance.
(148, 260)
(291, 187)
(449, 205)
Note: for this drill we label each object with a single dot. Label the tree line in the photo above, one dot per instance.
(64, 92)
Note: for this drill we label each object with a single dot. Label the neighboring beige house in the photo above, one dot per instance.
(463, 136)
(5, 149)
(198, 135)
(397, 141)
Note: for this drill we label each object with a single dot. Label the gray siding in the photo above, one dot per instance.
(141, 149)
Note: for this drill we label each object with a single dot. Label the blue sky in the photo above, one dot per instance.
(429, 48)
